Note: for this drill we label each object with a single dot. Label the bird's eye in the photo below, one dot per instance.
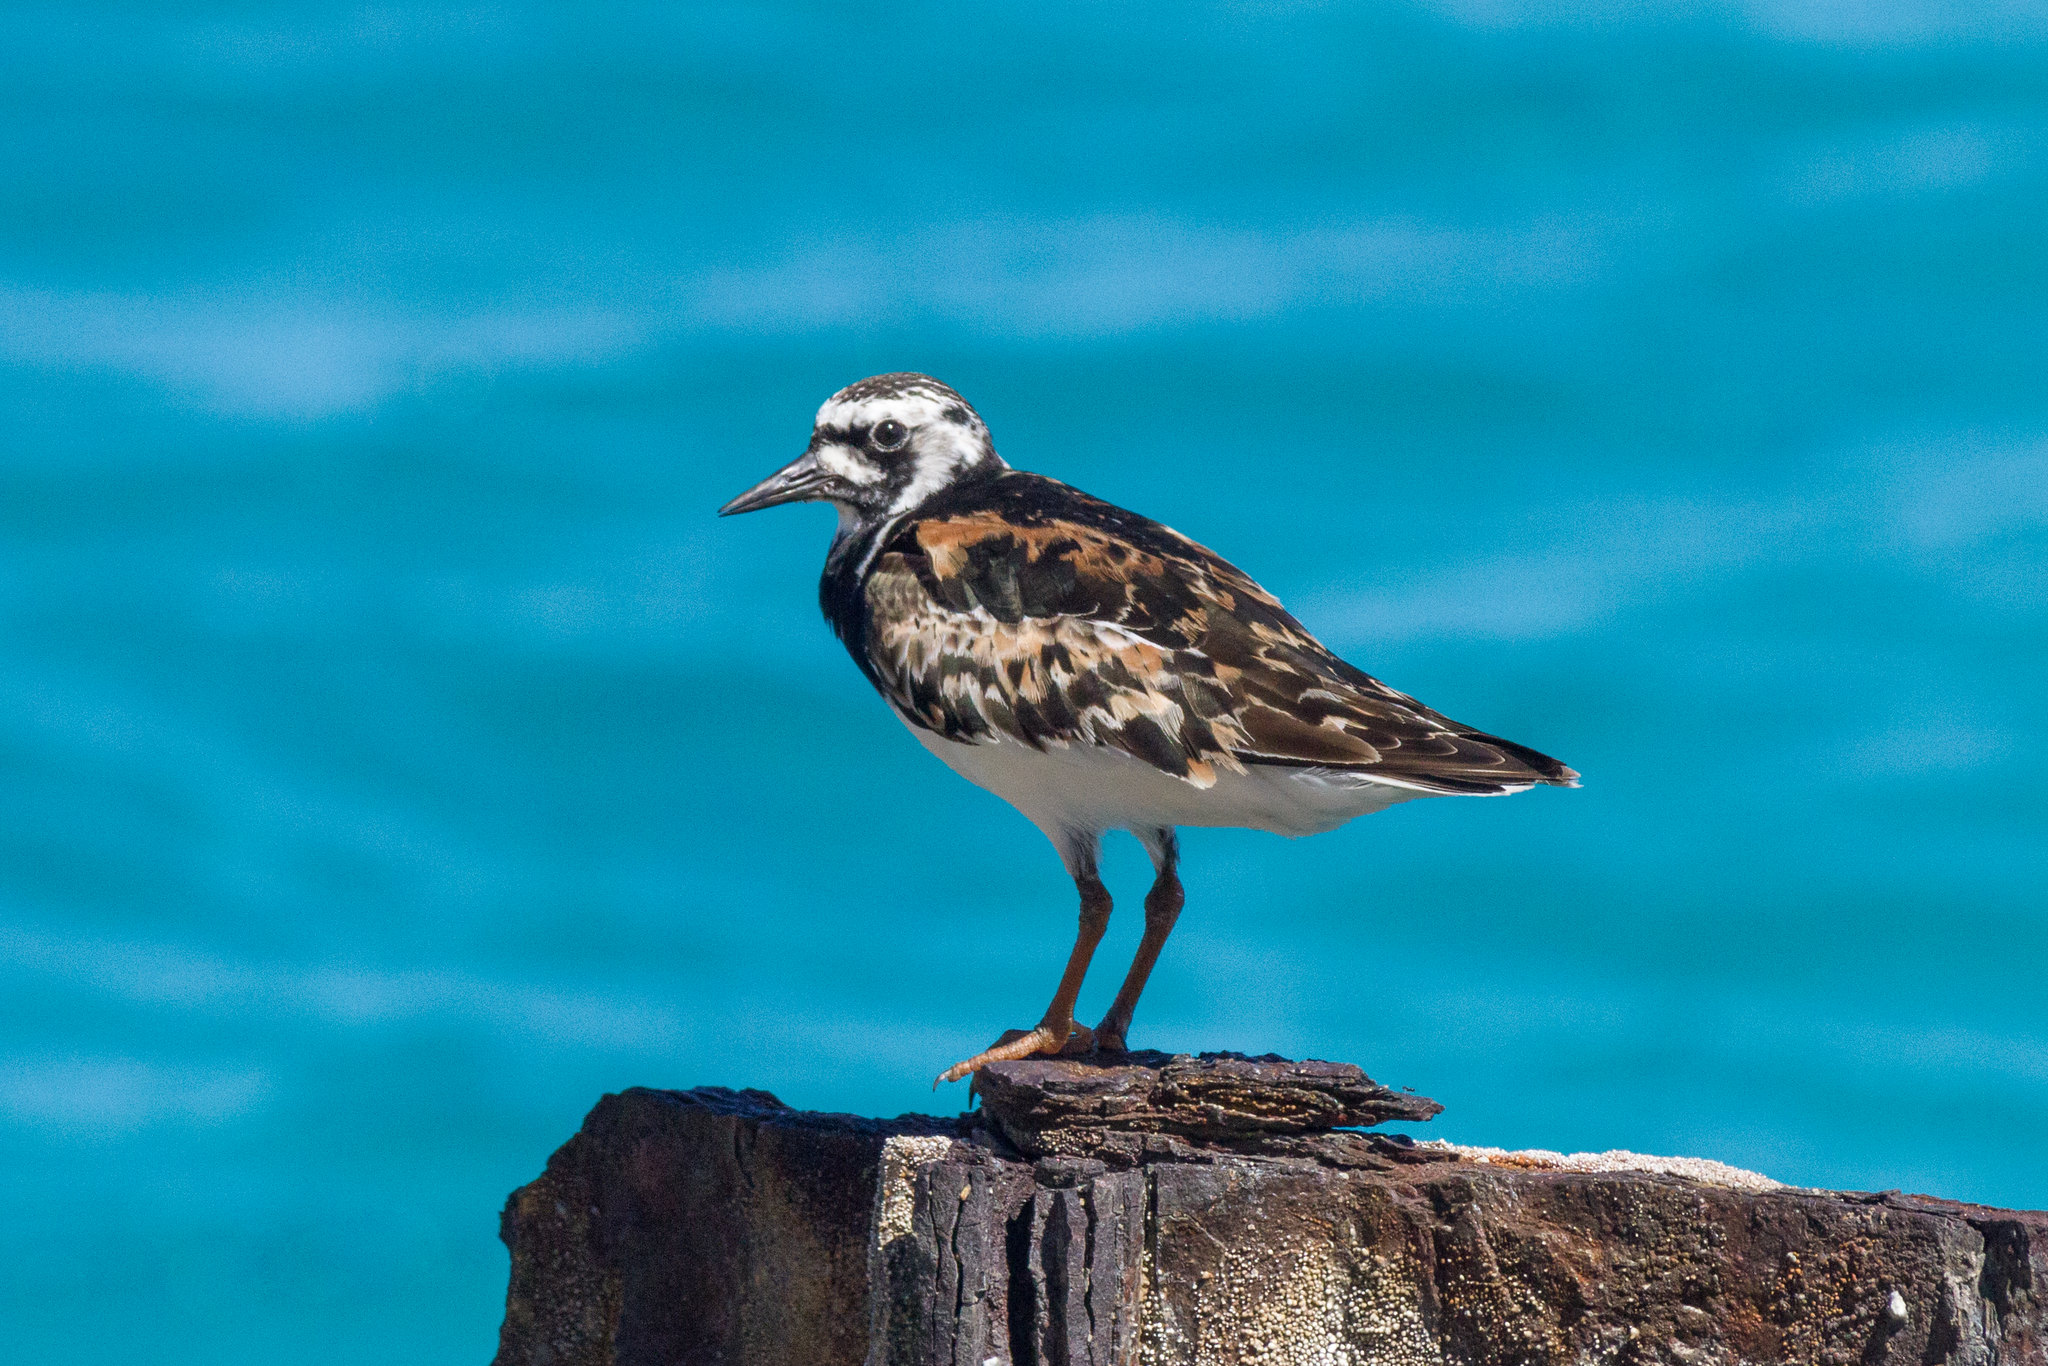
(889, 435)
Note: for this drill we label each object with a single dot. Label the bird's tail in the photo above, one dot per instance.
(1540, 765)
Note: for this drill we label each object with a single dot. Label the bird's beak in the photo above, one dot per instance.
(802, 478)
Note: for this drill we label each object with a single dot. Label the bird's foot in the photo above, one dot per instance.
(1025, 1043)
(1109, 1039)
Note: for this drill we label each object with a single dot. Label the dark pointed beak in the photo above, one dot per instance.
(801, 479)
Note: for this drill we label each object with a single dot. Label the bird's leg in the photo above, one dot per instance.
(1162, 909)
(1057, 1027)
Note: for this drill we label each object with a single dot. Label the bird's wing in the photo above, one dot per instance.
(1102, 628)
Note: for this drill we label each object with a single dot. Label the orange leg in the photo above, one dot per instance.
(1162, 909)
(1057, 1027)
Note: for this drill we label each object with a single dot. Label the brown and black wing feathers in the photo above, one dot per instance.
(1018, 607)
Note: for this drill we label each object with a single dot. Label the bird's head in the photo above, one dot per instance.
(879, 448)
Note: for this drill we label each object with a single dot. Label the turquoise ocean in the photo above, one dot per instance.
(396, 753)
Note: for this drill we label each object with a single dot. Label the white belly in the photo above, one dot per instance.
(1085, 790)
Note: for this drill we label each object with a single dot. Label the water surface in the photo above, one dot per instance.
(398, 754)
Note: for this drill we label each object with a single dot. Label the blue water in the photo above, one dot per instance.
(397, 754)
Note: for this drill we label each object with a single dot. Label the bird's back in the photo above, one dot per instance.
(1013, 607)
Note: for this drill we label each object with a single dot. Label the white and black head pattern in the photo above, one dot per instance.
(879, 449)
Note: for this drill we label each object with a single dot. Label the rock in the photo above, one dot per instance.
(1175, 1210)
(1077, 1105)
(698, 1226)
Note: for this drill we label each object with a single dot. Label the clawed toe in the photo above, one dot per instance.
(1017, 1044)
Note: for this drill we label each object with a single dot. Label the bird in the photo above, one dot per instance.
(1097, 670)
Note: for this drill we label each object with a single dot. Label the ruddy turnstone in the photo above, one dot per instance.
(1096, 670)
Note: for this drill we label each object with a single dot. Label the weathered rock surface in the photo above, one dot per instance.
(1054, 1105)
(1175, 1210)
